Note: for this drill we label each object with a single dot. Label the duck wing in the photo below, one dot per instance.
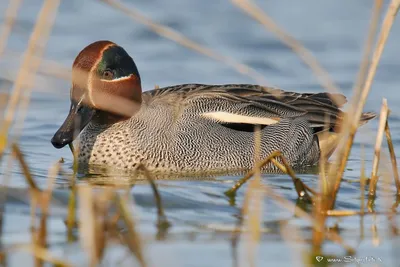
(240, 106)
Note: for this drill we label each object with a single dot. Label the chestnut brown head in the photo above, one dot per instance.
(105, 86)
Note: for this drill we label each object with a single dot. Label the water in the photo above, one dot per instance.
(200, 214)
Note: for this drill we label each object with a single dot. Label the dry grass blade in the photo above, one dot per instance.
(162, 221)
(336, 171)
(29, 66)
(45, 197)
(392, 157)
(318, 235)
(71, 215)
(308, 58)
(88, 226)
(24, 166)
(253, 219)
(341, 213)
(255, 196)
(300, 187)
(47, 67)
(369, 42)
(288, 205)
(336, 238)
(378, 144)
(239, 222)
(186, 42)
(284, 203)
(133, 239)
(318, 209)
(42, 253)
(232, 191)
(363, 181)
(10, 15)
(38, 197)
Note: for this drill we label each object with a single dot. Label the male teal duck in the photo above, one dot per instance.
(189, 127)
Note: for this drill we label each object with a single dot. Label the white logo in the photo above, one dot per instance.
(319, 258)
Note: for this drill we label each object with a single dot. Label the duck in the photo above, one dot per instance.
(190, 128)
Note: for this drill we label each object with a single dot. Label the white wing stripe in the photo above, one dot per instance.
(222, 116)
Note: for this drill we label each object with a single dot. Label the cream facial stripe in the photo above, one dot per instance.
(118, 79)
(80, 100)
(92, 74)
(236, 118)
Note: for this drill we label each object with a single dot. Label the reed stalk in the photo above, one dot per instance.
(336, 171)
(378, 144)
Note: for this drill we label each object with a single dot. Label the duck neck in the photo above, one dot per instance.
(106, 118)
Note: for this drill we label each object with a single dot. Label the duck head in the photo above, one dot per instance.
(106, 88)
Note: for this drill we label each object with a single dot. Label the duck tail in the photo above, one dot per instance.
(365, 117)
(328, 140)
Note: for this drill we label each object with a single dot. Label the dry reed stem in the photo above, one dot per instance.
(41, 33)
(25, 168)
(37, 197)
(232, 191)
(255, 197)
(9, 21)
(369, 43)
(133, 240)
(105, 101)
(375, 234)
(362, 181)
(71, 215)
(41, 234)
(323, 161)
(179, 38)
(162, 221)
(300, 187)
(365, 61)
(378, 144)
(386, 186)
(42, 254)
(28, 67)
(318, 235)
(305, 55)
(100, 207)
(336, 238)
(89, 226)
(322, 173)
(288, 205)
(47, 66)
(253, 218)
(239, 223)
(392, 157)
(348, 213)
(336, 171)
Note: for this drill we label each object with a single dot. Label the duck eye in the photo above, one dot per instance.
(108, 74)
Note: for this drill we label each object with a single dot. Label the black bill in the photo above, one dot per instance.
(78, 117)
